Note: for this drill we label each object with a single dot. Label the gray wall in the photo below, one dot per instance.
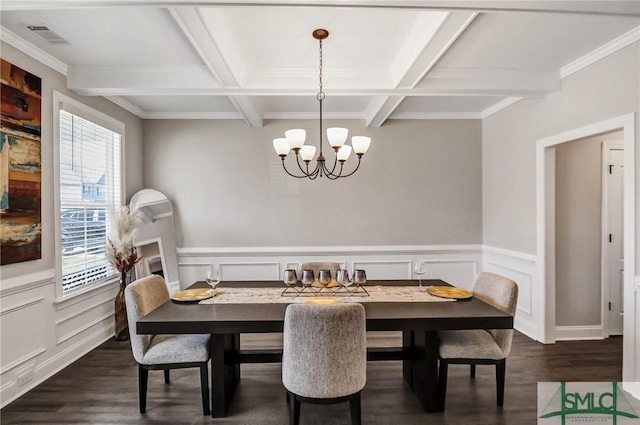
(578, 232)
(419, 184)
(606, 89)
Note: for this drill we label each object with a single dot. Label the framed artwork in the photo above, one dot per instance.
(20, 165)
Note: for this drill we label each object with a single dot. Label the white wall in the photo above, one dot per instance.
(38, 335)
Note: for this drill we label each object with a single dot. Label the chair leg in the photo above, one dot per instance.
(442, 382)
(500, 378)
(204, 387)
(143, 377)
(356, 411)
(166, 376)
(473, 371)
(294, 409)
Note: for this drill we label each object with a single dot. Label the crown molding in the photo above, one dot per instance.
(192, 116)
(126, 105)
(33, 51)
(313, 116)
(499, 106)
(436, 116)
(600, 53)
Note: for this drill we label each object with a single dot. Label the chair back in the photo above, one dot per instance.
(316, 266)
(324, 349)
(502, 293)
(142, 297)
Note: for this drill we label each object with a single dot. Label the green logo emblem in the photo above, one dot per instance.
(587, 405)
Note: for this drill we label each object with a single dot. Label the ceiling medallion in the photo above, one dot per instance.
(294, 140)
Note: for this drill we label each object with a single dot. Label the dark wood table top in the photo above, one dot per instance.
(175, 317)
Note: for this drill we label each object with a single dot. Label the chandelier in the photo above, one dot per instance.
(294, 140)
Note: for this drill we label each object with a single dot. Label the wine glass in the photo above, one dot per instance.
(213, 276)
(419, 268)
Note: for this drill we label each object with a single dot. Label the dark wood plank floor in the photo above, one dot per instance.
(101, 388)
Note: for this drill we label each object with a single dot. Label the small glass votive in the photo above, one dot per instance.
(324, 277)
(289, 277)
(307, 277)
(359, 277)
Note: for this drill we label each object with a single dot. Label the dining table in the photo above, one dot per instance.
(419, 321)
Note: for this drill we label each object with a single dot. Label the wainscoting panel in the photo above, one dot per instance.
(26, 318)
(456, 264)
(522, 269)
(40, 336)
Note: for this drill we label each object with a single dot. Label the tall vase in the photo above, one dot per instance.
(121, 325)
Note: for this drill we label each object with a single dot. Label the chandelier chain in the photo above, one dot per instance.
(320, 93)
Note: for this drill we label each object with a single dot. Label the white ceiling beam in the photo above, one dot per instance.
(447, 34)
(610, 7)
(85, 80)
(194, 28)
(120, 90)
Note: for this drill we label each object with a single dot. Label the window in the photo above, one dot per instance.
(89, 191)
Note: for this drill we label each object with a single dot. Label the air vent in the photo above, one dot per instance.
(46, 34)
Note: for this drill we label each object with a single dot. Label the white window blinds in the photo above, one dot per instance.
(90, 182)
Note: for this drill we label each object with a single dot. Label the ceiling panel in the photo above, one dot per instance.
(253, 60)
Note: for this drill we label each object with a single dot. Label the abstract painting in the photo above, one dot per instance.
(20, 165)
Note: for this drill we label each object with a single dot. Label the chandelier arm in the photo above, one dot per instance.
(292, 175)
(335, 162)
(356, 169)
(336, 176)
(305, 172)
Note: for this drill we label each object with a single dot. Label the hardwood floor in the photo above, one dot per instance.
(101, 388)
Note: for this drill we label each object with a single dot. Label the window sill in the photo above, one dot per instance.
(86, 292)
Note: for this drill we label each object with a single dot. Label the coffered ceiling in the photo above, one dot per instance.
(256, 60)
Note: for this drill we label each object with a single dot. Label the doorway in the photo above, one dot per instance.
(545, 223)
(588, 235)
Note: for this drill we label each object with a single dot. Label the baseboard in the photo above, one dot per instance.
(570, 333)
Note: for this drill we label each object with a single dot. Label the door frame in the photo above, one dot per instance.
(607, 147)
(546, 305)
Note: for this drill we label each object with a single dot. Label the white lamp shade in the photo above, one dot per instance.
(337, 136)
(344, 152)
(360, 144)
(295, 137)
(281, 146)
(307, 152)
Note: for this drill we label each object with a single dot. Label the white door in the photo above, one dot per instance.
(613, 246)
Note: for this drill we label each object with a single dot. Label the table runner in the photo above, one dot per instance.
(273, 296)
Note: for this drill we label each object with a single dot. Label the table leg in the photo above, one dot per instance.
(225, 372)
(407, 364)
(424, 370)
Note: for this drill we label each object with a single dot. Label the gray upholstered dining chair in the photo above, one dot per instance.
(316, 266)
(324, 357)
(162, 352)
(480, 346)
